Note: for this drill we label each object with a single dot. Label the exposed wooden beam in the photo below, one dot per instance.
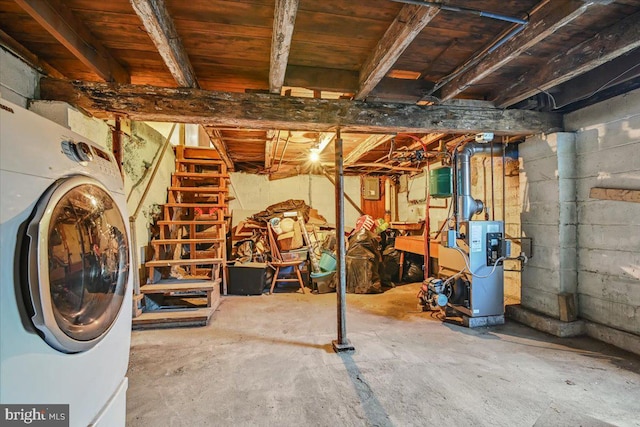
(427, 140)
(160, 28)
(615, 194)
(324, 139)
(595, 81)
(365, 146)
(284, 20)
(605, 46)
(26, 55)
(377, 166)
(545, 21)
(266, 111)
(405, 27)
(55, 17)
(218, 143)
(268, 148)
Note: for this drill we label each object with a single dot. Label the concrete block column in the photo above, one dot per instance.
(549, 217)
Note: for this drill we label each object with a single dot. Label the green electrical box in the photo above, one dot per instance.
(440, 183)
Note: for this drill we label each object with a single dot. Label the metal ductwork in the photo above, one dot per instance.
(467, 205)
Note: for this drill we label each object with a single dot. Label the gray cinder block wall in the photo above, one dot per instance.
(549, 217)
(582, 245)
(608, 155)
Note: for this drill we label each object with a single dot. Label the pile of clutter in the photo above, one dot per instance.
(372, 262)
(299, 232)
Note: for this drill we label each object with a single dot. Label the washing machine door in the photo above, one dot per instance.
(78, 264)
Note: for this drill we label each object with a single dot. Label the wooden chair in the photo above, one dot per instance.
(277, 263)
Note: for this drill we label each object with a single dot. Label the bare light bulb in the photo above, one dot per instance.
(314, 156)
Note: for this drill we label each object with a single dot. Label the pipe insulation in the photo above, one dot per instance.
(467, 205)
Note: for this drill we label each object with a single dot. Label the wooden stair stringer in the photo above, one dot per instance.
(192, 242)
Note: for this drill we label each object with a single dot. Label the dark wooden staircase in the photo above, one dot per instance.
(187, 270)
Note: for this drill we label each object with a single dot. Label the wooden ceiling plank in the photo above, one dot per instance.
(220, 146)
(608, 44)
(545, 21)
(27, 56)
(283, 23)
(405, 27)
(365, 146)
(62, 24)
(267, 111)
(330, 79)
(162, 31)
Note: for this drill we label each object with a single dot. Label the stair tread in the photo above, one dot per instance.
(187, 241)
(191, 221)
(178, 286)
(190, 151)
(201, 189)
(208, 235)
(201, 174)
(190, 315)
(170, 262)
(195, 205)
(201, 161)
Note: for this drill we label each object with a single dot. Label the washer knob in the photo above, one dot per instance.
(78, 152)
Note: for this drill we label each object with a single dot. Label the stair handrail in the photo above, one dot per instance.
(153, 174)
(132, 219)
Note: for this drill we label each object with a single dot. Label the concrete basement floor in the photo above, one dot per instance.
(267, 361)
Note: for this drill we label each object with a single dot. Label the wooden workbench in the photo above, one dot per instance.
(414, 244)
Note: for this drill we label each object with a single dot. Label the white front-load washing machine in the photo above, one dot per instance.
(65, 284)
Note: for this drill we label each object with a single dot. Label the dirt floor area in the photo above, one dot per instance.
(268, 361)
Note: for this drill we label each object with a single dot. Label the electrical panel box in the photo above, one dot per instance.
(371, 188)
(494, 248)
(449, 239)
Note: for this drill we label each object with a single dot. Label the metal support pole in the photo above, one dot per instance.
(341, 344)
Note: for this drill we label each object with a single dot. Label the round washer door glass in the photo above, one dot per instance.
(82, 260)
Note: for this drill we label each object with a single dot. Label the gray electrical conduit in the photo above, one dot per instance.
(508, 36)
(477, 12)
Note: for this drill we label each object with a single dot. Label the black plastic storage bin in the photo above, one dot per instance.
(247, 279)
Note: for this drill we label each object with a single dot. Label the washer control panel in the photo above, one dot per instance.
(84, 153)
